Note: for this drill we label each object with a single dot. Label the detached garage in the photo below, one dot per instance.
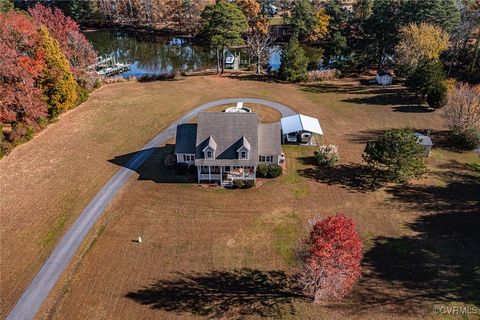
(300, 129)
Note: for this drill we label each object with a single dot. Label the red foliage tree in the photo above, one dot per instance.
(21, 64)
(330, 258)
(66, 31)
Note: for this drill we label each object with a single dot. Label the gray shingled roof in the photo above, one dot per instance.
(269, 139)
(211, 144)
(185, 140)
(229, 131)
(245, 144)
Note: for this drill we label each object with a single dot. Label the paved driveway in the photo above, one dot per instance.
(38, 290)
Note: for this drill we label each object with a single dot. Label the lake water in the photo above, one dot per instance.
(151, 55)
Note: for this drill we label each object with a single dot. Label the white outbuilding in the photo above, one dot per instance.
(300, 129)
(426, 143)
(384, 78)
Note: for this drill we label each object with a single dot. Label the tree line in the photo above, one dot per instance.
(369, 35)
(44, 63)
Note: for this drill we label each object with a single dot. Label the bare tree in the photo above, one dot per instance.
(463, 113)
(257, 45)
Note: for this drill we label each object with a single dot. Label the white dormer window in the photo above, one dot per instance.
(209, 154)
(244, 149)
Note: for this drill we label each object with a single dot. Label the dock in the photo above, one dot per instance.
(108, 66)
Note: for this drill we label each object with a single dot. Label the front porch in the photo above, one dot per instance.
(225, 174)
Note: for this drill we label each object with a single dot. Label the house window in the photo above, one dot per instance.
(227, 169)
(243, 155)
(266, 159)
(209, 154)
(188, 157)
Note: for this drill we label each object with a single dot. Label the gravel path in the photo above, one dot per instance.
(39, 288)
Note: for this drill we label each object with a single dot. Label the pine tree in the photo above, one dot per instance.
(223, 25)
(294, 63)
(427, 76)
(58, 84)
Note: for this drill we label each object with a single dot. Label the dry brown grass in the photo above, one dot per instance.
(265, 114)
(199, 230)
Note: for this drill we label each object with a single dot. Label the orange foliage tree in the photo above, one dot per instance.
(66, 31)
(21, 65)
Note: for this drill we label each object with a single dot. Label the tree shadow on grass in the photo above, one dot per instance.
(333, 88)
(353, 177)
(252, 77)
(440, 262)
(400, 101)
(219, 294)
(153, 167)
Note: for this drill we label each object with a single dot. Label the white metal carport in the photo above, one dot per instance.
(300, 122)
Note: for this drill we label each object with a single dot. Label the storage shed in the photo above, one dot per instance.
(300, 129)
(426, 142)
(384, 78)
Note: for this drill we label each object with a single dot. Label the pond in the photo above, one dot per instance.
(150, 54)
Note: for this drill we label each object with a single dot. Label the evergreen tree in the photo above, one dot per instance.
(58, 84)
(294, 63)
(302, 18)
(338, 29)
(381, 29)
(397, 155)
(426, 77)
(437, 96)
(444, 13)
(223, 25)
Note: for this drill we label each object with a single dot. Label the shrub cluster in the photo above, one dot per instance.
(327, 156)
(269, 170)
(243, 184)
(262, 170)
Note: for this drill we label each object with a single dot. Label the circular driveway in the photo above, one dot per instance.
(38, 290)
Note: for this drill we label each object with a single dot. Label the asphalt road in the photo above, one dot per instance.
(39, 288)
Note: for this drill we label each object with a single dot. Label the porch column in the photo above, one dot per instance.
(209, 174)
(221, 175)
(198, 173)
(243, 172)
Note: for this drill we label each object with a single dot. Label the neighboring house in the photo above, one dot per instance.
(300, 129)
(228, 146)
(384, 78)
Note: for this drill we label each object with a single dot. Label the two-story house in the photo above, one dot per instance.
(228, 146)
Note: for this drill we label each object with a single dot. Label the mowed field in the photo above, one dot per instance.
(223, 253)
